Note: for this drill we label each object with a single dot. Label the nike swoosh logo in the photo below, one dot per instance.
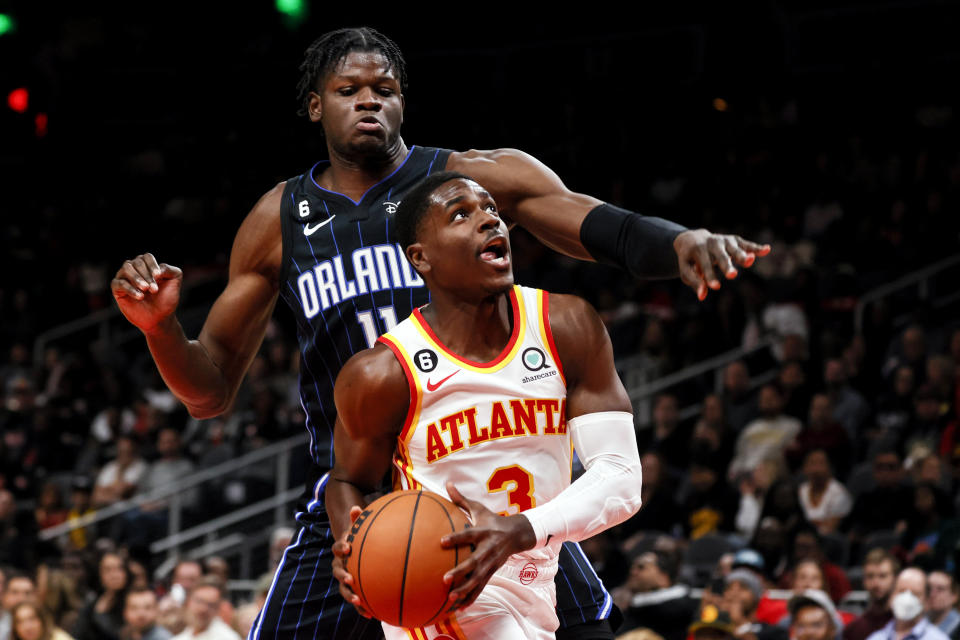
(309, 231)
(434, 387)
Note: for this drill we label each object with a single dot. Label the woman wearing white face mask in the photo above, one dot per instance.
(908, 602)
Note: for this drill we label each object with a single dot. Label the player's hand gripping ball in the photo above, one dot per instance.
(396, 559)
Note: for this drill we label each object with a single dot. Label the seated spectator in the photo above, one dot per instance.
(942, 606)
(651, 599)
(849, 407)
(822, 432)
(31, 622)
(50, 511)
(64, 589)
(895, 407)
(659, 511)
(666, 436)
(768, 610)
(887, 505)
(754, 489)
(708, 504)
(203, 623)
(740, 599)
(711, 624)
(925, 429)
(792, 380)
(806, 546)
(814, 617)
(19, 588)
(806, 575)
(16, 533)
(825, 501)
(932, 530)
(80, 506)
(879, 571)
(910, 350)
(765, 438)
(740, 406)
(120, 477)
(140, 617)
(712, 433)
(102, 619)
(244, 617)
(908, 604)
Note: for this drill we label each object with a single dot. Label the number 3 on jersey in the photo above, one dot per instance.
(369, 325)
(518, 483)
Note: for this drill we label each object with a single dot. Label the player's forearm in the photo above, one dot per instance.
(606, 494)
(643, 245)
(188, 370)
(339, 498)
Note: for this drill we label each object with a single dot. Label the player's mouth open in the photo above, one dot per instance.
(495, 252)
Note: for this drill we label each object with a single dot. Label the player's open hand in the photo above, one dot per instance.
(493, 537)
(341, 549)
(147, 292)
(702, 254)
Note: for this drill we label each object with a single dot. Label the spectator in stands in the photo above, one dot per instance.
(16, 533)
(711, 624)
(740, 407)
(942, 606)
(708, 504)
(80, 489)
(19, 588)
(908, 603)
(754, 489)
(850, 409)
(185, 576)
(170, 467)
(911, 351)
(879, 569)
(651, 599)
(740, 598)
(792, 380)
(203, 623)
(120, 477)
(932, 530)
(822, 432)
(666, 436)
(765, 438)
(825, 501)
(925, 429)
(712, 431)
(814, 617)
(806, 575)
(887, 505)
(49, 511)
(140, 617)
(895, 407)
(244, 617)
(768, 610)
(31, 622)
(808, 546)
(65, 589)
(102, 619)
(659, 511)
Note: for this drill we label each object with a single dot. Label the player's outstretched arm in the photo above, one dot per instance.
(205, 373)
(581, 226)
(372, 398)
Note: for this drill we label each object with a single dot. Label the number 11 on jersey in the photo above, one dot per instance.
(369, 324)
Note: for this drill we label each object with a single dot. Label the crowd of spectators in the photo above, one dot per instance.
(826, 464)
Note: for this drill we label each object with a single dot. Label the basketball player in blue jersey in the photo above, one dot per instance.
(321, 241)
(483, 391)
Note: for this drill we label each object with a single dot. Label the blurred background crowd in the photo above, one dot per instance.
(824, 455)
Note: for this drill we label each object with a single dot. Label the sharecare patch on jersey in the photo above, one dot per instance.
(508, 419)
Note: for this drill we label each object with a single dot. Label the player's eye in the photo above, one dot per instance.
(492, 208)
(385, 91)
(460, 213)
(346, 91)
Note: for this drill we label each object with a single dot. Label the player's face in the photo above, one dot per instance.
(360, 106)
(463, 244)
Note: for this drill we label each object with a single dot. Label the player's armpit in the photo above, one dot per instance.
(587, 356)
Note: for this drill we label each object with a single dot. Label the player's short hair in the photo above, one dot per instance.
(326, 52)
(415, 204)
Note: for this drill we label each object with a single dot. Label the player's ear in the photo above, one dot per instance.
(315, 107)
(418, 258)
(403, 107)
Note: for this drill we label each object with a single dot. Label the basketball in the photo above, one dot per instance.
(396, 560)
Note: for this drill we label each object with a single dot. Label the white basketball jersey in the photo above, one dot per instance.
(498, 429)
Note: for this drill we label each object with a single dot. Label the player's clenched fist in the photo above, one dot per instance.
(147, 292)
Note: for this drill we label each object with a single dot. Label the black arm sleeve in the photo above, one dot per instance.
(642, 245)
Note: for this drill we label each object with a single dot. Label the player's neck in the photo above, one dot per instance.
(478, 331)
(353, 175)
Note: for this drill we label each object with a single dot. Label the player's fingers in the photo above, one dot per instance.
(355, 512)
(472, 507)
(169, 272)
(692, 278)
(705, 263)
(737, 254)
(135, 271)
(123, 289)
(460, 572)
(341, 548)
(719, 253)
(753, 247)
(463, 538)
(152, 265)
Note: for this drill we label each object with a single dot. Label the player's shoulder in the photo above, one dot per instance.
(374, 369)
(576, 326)
(371, 374)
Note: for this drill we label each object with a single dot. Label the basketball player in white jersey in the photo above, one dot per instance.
(484, 391)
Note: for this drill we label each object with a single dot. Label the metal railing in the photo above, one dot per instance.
(177, 537)
(920, 279)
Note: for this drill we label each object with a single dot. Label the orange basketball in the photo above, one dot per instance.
(396, 560)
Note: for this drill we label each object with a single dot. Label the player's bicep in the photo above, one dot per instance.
(586, 352)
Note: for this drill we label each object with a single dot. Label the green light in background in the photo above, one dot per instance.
(294, 11)
(7, 25)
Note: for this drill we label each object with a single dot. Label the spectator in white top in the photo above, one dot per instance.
(825, 501)
(120, 477)
(765, 438)
(203, 603)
